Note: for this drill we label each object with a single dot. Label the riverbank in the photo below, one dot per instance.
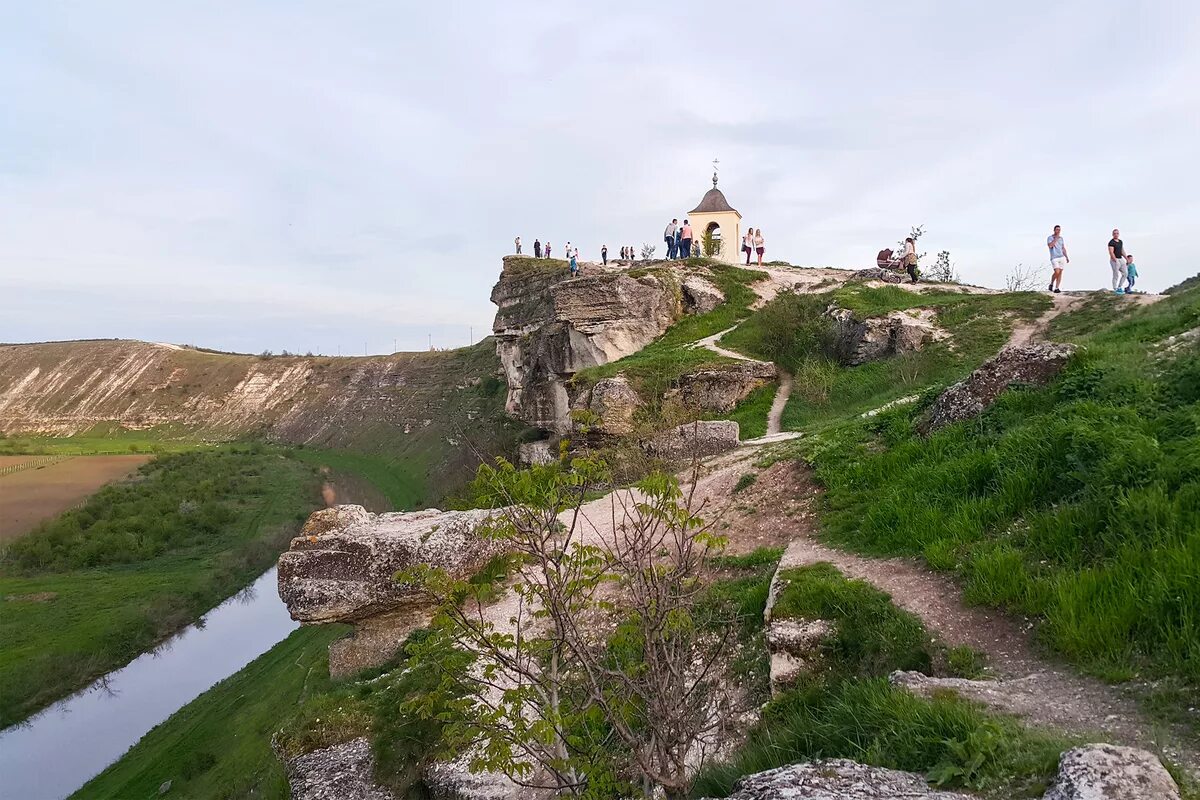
(91, 590)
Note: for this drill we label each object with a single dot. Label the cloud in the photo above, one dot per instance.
(246, 174)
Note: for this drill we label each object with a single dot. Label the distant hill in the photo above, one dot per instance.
(445, 409)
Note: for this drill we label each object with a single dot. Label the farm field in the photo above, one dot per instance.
(49, 486)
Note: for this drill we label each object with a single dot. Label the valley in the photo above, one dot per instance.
(987, 493)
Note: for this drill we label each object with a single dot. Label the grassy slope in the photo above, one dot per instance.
(847, 709)
(104, 439)
(402, 480)
(218, 746)
(1078, 504)
(117, 589)
(654, 367)
(824, 392)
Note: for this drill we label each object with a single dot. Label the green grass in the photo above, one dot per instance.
(105, 439)
(402, 480)
(791, 332)
(219, 745)
(871, 722)
(751, 414)
(88, 591)
(654, 369)
(844, 708)
(1078, 504)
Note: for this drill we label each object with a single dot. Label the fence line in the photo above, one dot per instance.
(34, 462)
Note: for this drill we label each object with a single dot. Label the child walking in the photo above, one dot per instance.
(1131, 273)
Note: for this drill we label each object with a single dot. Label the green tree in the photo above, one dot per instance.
(601, 669)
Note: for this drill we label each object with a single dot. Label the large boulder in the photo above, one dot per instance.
(837, 779)
(549, 326)
(1110, 772)
(341, 772)
(695, 440)
(875, 338)
(700, 296)
(341, 567)
(1029, 364)
(718, 390)
(614, 402)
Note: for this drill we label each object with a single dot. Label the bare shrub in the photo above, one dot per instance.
(1024, 279)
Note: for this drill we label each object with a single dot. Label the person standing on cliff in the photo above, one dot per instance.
(1058, 258)
(748, 245)
(537, 248)
(760, 245)
(547, 249)
(604, 254)
(685, 239)
(1116, 260)
(669, 238)
(517, 242)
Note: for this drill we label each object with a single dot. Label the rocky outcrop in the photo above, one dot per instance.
(695, 440)
(874, 338)
(879, 274)
(453, 780)
(539, 453)
(341, 772)
(1030, 364)
(837, 779)
(700, 296)
(614, 402)
(550, 326)
(795, 649)
(1108, 772)
(341, 567)
(718, 390)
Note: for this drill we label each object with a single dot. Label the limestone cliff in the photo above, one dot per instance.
(549, 326)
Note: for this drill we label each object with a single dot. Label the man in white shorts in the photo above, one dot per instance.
(1058, 257)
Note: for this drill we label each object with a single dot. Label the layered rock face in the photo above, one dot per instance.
(1031, 364)
(860, 341)
(549, 326)
(341, 566)
(695, 440)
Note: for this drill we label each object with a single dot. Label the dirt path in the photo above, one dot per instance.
(1032, 687)
(1025, 332)
(775, 415)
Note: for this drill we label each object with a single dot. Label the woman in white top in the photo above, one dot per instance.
(758, 245)
(909, 260)
(748, 245)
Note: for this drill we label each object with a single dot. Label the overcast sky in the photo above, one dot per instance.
(304, 176)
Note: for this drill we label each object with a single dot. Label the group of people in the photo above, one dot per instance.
(752, 243)
(679, 239)
(1124, 271)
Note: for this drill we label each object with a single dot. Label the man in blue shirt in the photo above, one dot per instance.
(1058, 257)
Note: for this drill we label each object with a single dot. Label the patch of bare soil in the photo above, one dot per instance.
(31, 496)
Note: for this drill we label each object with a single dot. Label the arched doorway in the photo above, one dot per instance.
(711, 241)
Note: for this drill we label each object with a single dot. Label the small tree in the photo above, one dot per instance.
(572, 675)
(710, 244)
(647, 252)
(942, 270)
(1024, 279)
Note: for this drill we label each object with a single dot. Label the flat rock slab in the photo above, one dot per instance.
(837, 779)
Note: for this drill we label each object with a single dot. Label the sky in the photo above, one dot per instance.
(346, 177)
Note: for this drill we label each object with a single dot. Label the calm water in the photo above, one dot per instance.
(54, 753)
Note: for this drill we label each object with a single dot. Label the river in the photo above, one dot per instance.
(56, 751)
